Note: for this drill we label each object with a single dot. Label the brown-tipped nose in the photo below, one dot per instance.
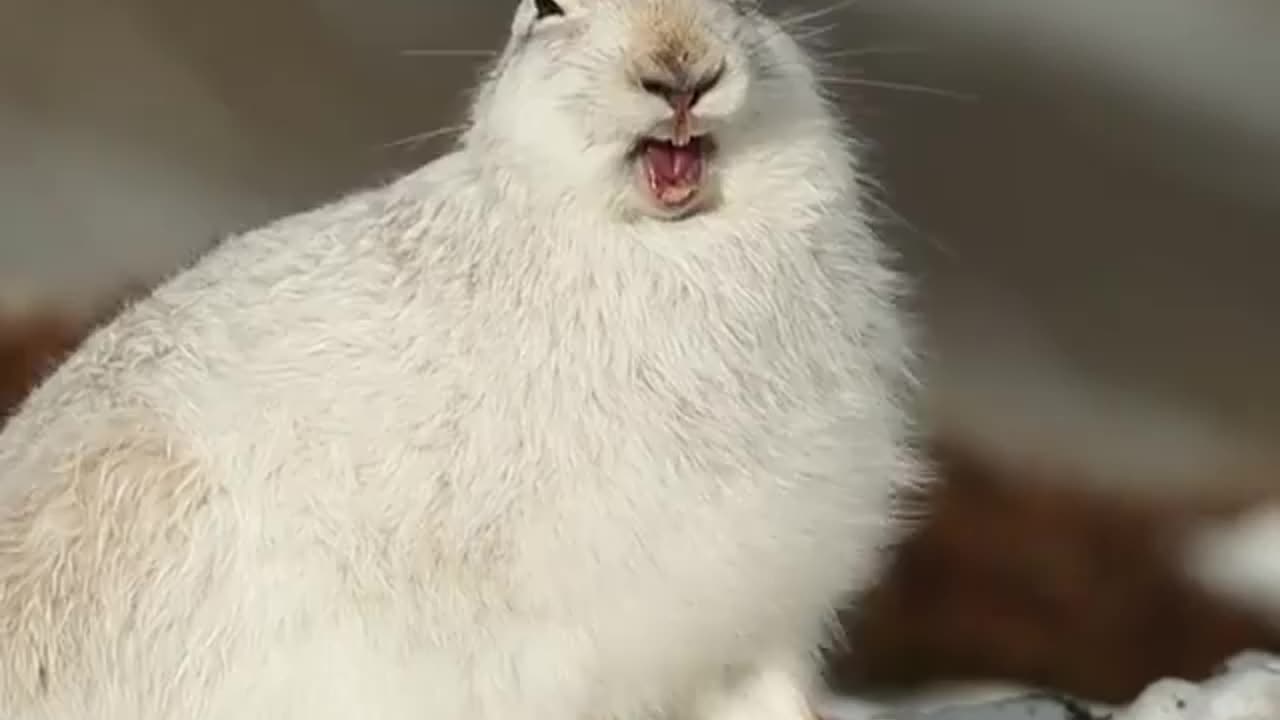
(682, 92)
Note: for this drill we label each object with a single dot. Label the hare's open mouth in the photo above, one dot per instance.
(675, 170)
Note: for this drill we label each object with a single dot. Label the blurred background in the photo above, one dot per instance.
(1086, 192)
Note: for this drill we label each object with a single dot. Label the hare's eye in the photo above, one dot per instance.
(547, 8)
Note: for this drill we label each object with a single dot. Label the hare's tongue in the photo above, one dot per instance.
(673, 166)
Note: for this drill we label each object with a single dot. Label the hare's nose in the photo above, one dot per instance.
(684, 92)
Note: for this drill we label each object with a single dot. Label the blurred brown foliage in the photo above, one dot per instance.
(31, 346)
(1038, 581)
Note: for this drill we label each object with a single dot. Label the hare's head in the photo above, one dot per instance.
(647, 104)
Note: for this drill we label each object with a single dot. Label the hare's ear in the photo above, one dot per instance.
(532, 13)
(547, 8)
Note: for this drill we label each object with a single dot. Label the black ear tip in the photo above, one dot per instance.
(547, 8)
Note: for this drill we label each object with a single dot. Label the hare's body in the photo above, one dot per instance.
(445, 451)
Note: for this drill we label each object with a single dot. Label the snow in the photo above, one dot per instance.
(1248, 688)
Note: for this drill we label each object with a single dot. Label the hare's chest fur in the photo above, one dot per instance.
(659, 462)
(613, 432)
(598, 438)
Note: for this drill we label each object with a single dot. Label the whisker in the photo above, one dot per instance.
(415, 140)
(813, 32)
(873, 50)
(793, 24)
(804, 17)
(905, 87)
(446, 52)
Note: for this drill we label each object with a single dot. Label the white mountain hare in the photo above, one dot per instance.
(595, 417)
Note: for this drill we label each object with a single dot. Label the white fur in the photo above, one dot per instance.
(488, 442)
